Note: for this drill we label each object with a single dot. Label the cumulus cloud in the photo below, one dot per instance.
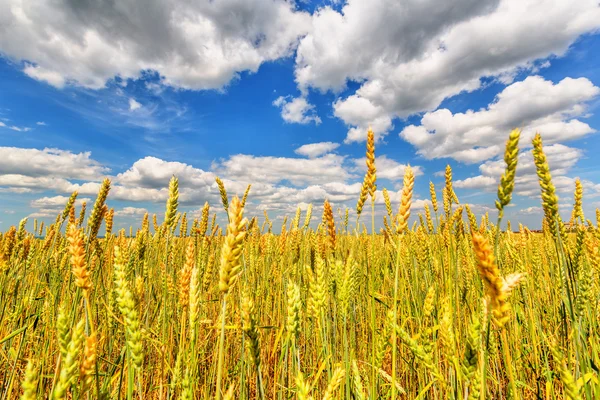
(127, 193)
(313, 150)
(534, 104)
(531, 210)
(296, 110)
(147, 180)
(23, 183)
(49, 163)
(53, 78)
(298, 171)
(476, 182)
(561, 160)
(33, 170)
(28, 184)
(285, 197)
(362, 114)
(19, 190)
(131, 212)
(387, 168)
(49, 207)
(406, 57)
(279, 184)
(193, 45)
(44, 213)
(410, 56)
(152, 172)
(57, 202)
(346, 44)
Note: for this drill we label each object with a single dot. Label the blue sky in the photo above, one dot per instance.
(236, 88)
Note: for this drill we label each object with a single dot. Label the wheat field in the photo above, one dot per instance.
(448, 307)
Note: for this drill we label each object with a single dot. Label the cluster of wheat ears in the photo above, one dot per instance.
(448, 308)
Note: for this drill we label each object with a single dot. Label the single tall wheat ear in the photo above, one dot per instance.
(497, 288)
(231, 267)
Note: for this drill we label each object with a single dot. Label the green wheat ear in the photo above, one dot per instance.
(507, 181)
(172, 203)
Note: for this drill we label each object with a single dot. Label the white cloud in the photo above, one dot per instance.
(53, 78)
(481, 209)
(534, 104)
(41, 123)
(279, 184)
(297, 110)
(387, 168)
(131, 212)
(31, 170)
(14, 127)
(561, 160)
(476, 182)
(19, 190)
(19, 129)
(531, 210)
(298, 171)
(133, 104)
(24, 183)
(313, 150)
(410, 56)
(194, 45)
(362, 114)
(347, 44)
(335, 192)
(44, 213)
(49, 163)
(152, 172)
(49, 207)
(57, 202)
